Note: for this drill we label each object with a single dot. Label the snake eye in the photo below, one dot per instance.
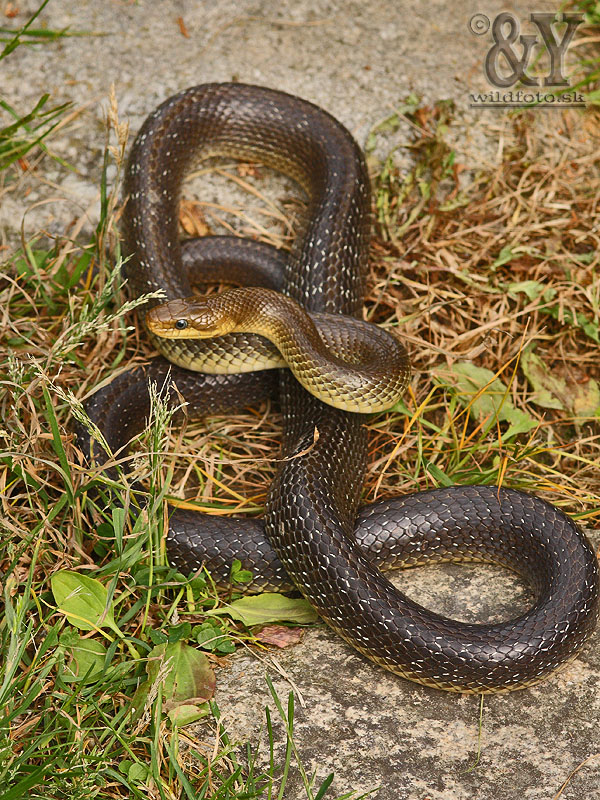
(181, 324)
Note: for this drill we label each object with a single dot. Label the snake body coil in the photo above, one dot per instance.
(312, 531)
(345, 362)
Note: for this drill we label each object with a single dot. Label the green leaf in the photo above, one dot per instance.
(118, 517)
(583, 258)
(157, 637)
(593, 97)
(553, 391)
(138, 772)
(533, 290)
(28, 267)
(504, 257)
(588, 326)
(487, 396)
(135, 770)
(86, 662)
(439, 475)
(190, 679)
(324, 786)
(186, 714)
(269, 607)
(549, 390)
(21, 789)
(586, 399)
(225, 646)
(187, 682)
(68, 638)
(15, 41)
(209, 635)
(177, 632)
(57, 444)
(83, 600)
(239, 575)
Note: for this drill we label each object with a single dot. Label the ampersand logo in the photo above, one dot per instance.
(509, 56)
(503, 46)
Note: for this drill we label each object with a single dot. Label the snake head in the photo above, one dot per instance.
(188, 318)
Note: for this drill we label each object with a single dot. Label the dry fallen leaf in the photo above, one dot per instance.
(192, 219)
(279, 635)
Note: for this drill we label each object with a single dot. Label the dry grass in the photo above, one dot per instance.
(531, 218)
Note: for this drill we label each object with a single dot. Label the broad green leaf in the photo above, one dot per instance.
(177, 632)
(486, 395)
(259, 609)
(504, 257)
(209, 635)
(549, 391)
(138, 772)
(553, 391)
(239, 575)
(186, 714)
(586, 399)
(532, 289)
(190, 679)
(83, 600)
(69, 637)
(86, 660)
(135, 770)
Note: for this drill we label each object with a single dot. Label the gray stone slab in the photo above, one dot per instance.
(374, 729)
(359, 60)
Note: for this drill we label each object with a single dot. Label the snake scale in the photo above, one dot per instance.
(314, 535)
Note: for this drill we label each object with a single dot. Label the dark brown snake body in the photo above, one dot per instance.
(311, 532)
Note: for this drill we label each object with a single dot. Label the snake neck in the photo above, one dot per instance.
(319, 368)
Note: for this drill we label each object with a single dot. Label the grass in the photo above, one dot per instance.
(491, 273)
(509, 280)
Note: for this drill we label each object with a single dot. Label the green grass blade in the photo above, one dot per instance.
(21, 789)
(57, 444)
(16, 40)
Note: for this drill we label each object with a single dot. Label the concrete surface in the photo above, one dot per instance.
(358, 59)
(376, 730)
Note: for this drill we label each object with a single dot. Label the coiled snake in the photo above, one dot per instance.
(313, 534)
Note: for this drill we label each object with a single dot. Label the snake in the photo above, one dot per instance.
(315, 536)
(345, 362)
